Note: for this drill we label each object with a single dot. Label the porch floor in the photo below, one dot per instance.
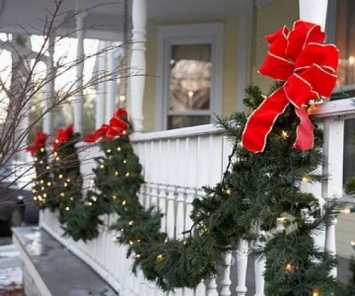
(65, 274)
(61, 271)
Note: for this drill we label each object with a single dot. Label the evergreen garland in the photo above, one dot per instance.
(42, 180)
(258, 194)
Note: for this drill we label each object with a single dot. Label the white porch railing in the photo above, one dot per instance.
(177, 164)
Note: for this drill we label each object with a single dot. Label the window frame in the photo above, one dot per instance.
(186, 34)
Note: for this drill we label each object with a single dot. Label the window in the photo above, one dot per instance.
(190, 74)
(345, 41)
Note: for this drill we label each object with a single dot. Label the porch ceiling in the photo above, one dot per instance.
(105, 17)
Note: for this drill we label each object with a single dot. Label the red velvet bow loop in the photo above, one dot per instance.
(309, 71)
(39, 142)
(63, 135)
(117, 126)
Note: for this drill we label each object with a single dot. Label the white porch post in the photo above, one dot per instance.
(50, 73)
(78, 100)
(137, 66)
(100, 89)
(111, 85)
(314, 11)
(333, 165)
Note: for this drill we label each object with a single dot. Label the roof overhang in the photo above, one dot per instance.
(105, 18)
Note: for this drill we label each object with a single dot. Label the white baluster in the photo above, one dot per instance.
(170, 215)
(212, 286)
(242, 264)
(226, 281)
(190, 195)
(259, 268)
(180, 212)
(201, 289)
(330, 243)
(154, 196)
(162, 206)
(143, 193)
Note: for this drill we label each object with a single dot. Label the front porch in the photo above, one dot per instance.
(176, 164)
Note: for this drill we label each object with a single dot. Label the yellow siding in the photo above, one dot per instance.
(149, 99)
(269, 19)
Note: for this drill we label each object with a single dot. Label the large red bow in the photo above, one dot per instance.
(118, 126)
(308, 68)
(39, 142)
(63, 135)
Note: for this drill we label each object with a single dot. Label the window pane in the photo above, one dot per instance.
(177, 121)
(190, 77)
(345, 32)
(349, 149)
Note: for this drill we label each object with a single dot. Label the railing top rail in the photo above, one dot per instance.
(193, 131)
(344, 107)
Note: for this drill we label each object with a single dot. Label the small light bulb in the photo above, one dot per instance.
(306, 179)
(67, 208)
(116, 173)
(102, 166)
(124, 203)
(284, 134)
(62, 194)
(345, 211)
(130, 222)
(60, 176)
(125, 161)
(118, 148)
(108, 150)
(49, 184)
(127, 174)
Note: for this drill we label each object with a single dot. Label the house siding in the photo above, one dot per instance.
(269, 19)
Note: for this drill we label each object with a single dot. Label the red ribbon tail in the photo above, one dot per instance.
(304, 131)
(261, 121)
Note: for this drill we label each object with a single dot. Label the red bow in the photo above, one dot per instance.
(118, 126)
(308, 68)
(39, 142)
(63, 135)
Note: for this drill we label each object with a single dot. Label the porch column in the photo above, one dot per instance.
(111, 84)
(50, 73)
(137, 65)
(314, 11)
(333, 165)
(100, 88)
(78, 99)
